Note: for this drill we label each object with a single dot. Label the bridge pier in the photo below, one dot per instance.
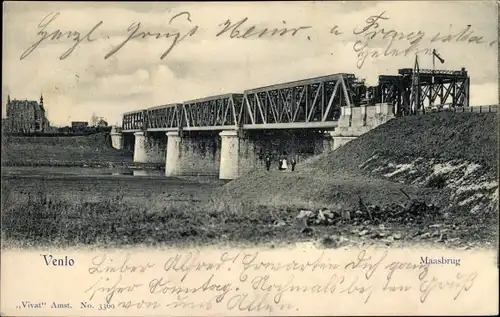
(194, 154)
(116, 138)
(356, 121)
(148, 148)
(173, 157)
(140, 154)
(339, 140)
(229, 154)
(117, 141)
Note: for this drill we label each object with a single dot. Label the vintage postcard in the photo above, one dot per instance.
(307, 158)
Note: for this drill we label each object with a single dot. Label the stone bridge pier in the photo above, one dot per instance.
(122, 141)
(116, 138)
(355, 121)
(193, 153)
(149, 147)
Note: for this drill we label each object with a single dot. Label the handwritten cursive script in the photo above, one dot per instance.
(398, 43)
(372, 40)
(135, 32)
(254, 31)
(253, 281)
(57, 35)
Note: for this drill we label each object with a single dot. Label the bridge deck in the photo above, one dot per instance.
(268, 126)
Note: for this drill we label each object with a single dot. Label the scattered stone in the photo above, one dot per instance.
(425, 235)
(279, 223)
(305, 214)
(328, 213)
(343, 240)
(413, 211)
(321, 216)
(362, 233)
(388, 239)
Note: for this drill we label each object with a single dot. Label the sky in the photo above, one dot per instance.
(203, 64)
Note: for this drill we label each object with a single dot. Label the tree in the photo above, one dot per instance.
(94, 120)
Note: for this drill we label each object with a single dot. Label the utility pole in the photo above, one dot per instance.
(431, 90)
(415, 88)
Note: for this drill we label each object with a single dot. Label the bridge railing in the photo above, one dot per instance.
(477, 109)
(473, 109)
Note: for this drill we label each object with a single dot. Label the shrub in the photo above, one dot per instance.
(436, 181)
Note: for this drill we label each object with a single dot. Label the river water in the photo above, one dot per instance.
(80, 171)
(92, 184)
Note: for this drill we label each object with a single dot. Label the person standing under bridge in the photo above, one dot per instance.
(293, 163)
(284, 165)
(268, 162)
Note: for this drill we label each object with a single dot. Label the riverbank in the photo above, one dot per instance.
(115, 212)
(71, 151)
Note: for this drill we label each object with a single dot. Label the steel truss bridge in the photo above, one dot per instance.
(309, 103)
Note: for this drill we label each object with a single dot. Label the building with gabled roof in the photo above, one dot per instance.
(26, 116)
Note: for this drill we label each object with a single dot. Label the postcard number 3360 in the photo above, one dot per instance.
(106, 306)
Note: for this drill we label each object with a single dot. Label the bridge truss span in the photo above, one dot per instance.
(212, 113)
(316, 100)
(166, 117)
(134, 121)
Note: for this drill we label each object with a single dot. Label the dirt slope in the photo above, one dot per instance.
(444, 136)
(445, 158)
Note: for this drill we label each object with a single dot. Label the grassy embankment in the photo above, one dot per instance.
(92, 150)
(262, 206)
